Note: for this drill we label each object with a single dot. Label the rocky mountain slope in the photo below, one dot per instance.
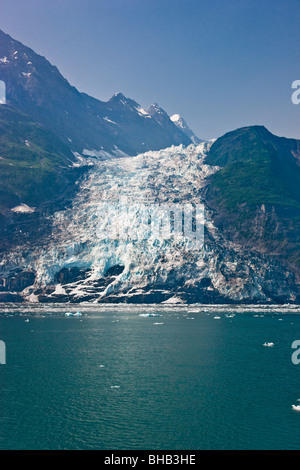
(85, 124)
(256, 194)
(182, 125)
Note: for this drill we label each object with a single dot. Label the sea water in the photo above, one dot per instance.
(117, 379)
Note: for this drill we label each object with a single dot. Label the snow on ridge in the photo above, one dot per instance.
(93, 153)
(24, 209)
(175, 117)
(142, 112)
(109, 120)
(103, 154)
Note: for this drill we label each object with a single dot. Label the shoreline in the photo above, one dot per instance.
(85, 308)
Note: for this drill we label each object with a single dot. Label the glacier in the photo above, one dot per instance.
(78, 262)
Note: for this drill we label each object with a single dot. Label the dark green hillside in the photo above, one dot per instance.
(35, 166)
(256, 194)
(258, 168)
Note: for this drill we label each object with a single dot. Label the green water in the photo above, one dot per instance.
(186, 384)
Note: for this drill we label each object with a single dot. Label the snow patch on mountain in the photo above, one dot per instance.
(102, 154)
(181, 124)
(24, 209)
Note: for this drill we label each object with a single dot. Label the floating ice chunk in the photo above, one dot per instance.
(69, 314)
(296, 407)
(269, 345)
(146, 315)
(78, 314)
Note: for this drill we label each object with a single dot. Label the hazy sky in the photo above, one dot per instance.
(222, 64)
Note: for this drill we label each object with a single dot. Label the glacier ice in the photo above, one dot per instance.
(139, 268)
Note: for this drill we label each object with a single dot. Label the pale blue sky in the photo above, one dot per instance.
(222, 64)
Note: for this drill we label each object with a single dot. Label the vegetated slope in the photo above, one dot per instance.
(35, 165)
(256, 194)
(36, 170)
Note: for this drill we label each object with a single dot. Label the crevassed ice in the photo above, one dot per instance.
(174, 175)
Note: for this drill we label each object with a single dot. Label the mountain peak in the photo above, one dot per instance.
(154, 107)
(119, 96)
(36, 87)
(181, 124)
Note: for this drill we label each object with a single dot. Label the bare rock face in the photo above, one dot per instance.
(180, 122)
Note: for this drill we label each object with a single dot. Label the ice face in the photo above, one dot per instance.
(172, 177)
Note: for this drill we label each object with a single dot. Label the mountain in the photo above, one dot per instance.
(85, 124)
(99, 249)
(35, 165)
(48, 134)
(167, 124)
(39, 175)
(74, 216)
(256, 194)
(182, 125)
